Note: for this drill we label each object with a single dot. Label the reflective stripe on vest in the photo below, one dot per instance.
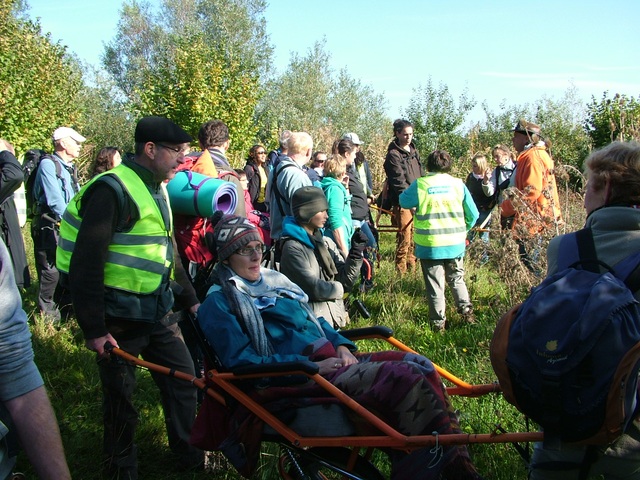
(136, 260)
(439, 219)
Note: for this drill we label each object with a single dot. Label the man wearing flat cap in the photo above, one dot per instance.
(117, 253)
(54, 186)
(535, 203)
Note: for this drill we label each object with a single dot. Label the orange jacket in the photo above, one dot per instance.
(537, 185)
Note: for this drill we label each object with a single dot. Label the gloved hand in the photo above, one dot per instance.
(358, 244)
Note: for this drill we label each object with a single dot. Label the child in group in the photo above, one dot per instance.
(484, 202)
(501, 178)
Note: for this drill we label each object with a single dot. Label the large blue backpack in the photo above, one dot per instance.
(569, 356)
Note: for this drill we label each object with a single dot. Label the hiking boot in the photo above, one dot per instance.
(439, 327)
(366, 286)
(467, 314)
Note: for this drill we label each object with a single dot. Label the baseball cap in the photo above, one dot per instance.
(353, 137)
(64, 132)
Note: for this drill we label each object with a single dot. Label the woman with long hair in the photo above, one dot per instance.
(257, 175)
(107, 158)
(501, 178)
(402, 166)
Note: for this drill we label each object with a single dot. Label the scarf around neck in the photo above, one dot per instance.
(247, 299)
(326, 263)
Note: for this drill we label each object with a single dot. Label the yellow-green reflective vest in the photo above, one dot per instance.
(137, 260)
(439, 218)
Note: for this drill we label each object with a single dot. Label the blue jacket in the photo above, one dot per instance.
(286, 323)
(290, 177)
(49, 190)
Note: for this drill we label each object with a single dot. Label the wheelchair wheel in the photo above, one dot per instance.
(324, 463)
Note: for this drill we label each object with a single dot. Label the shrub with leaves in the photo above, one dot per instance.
(39, 82)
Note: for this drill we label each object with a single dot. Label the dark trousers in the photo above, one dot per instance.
(165, 346)
(50, 294)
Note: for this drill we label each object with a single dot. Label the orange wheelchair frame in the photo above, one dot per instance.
(349, 462)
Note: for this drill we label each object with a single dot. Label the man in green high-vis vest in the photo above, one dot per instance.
(117, 254)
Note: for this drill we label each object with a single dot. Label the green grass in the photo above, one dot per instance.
(71, 375)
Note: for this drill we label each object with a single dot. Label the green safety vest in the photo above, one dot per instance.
(439, 218)
(137, 260)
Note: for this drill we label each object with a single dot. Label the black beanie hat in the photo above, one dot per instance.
(160, 129)
(306, 202)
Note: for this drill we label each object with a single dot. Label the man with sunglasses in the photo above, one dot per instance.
(117, 252)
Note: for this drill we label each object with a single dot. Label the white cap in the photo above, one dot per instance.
(353, 137)
(64, 132)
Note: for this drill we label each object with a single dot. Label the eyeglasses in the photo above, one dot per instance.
(248, 251)
(182, 151)
(261, 153)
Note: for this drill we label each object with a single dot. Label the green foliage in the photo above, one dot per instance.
(193, 84)
(310, 96)
(298, 99)
(610, 119)
(39, 82)
(495, 129)
(560, 123)
(194, 61)
(438, 120)
(106, 119)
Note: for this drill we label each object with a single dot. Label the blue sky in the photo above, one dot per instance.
(499, 50)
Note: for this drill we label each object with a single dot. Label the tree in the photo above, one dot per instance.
(496, 128)
(106, 120)
(193, 61)
(310, 96)
(40, 83)
(560, 122)
(194, 84)
(610, 119)
(298, 99)
(438, 120)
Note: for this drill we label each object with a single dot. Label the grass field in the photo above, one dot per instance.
(72, 379)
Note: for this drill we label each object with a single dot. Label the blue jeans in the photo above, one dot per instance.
(364, 226)
(484, 236)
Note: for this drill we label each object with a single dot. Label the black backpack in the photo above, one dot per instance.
(30, 164)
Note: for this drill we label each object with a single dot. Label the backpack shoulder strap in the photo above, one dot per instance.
(628, 270)
(578, 247)
(55, 162)
(279, 196)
